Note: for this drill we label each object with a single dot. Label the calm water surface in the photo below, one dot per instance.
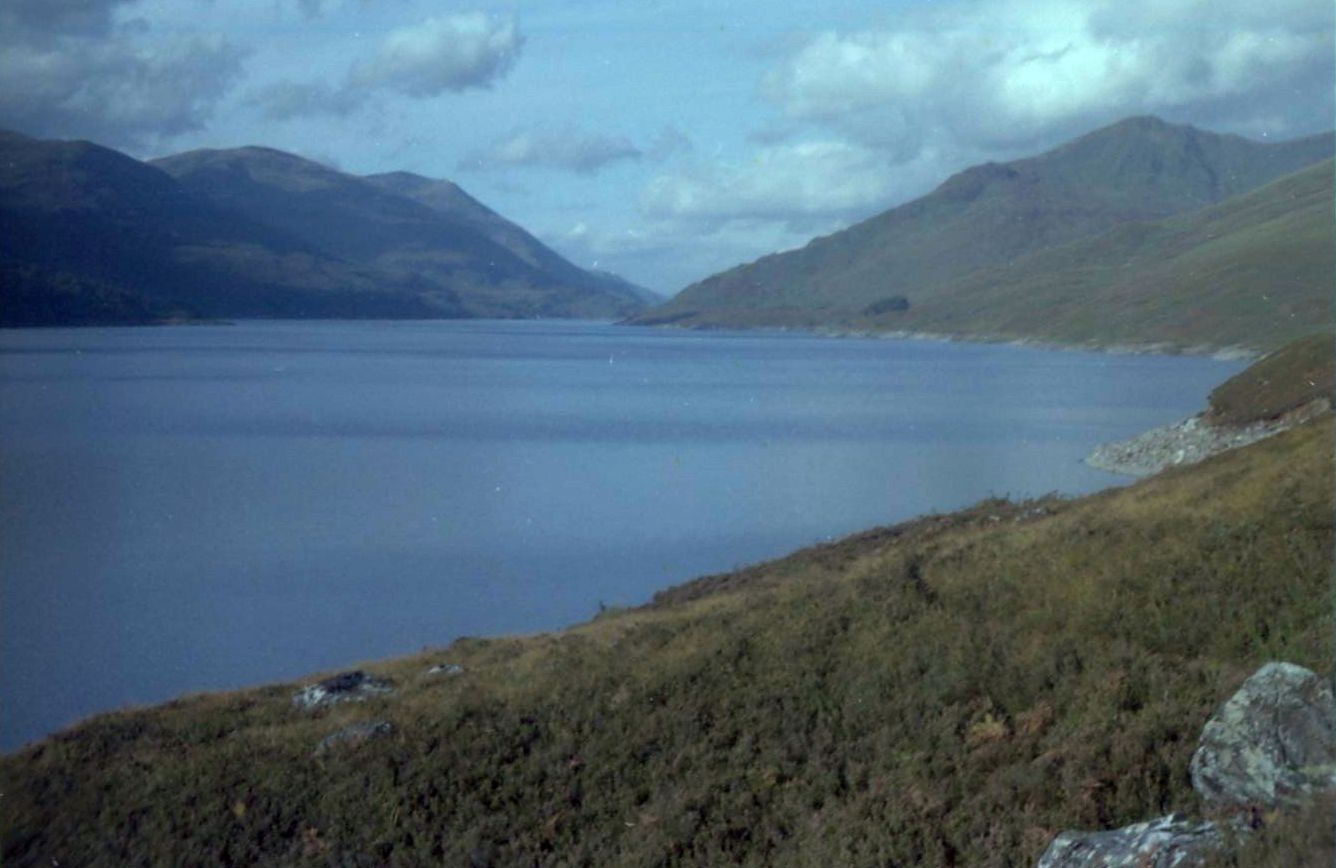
(204, 507)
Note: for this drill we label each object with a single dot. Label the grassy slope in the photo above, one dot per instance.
(1285, 380)
(951, 691)
(1255, 271)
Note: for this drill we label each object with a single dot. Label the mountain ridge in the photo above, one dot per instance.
(74, 215)
(447, 197)
(89, 235)
(1137, 170)
(369, 222)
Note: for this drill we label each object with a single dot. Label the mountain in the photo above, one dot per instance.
(1141, 169)
(406, 227)
(953, 690)
(89, 235)
(449, 199)
(1255, 271)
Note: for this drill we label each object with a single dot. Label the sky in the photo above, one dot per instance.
(664, 140)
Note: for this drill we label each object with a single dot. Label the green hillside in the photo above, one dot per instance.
(929, 264)
(1255, 271)
(954, 690)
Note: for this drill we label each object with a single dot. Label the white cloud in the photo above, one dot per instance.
(568, 150)
(452, 53)
(445, 53)
(788, 182)
(1005, 73)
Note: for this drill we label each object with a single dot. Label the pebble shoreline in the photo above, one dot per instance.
(1189, 441)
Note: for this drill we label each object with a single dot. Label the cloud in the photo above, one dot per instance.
(448, 53)
(1005, 74)
(567, 150)
(867, 119)
(795, 183)
(573, 150)
(74, 68)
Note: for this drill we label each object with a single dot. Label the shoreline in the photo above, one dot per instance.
(1223, 353)
(1191, 440)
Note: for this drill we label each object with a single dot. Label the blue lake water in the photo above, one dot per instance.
(191, 508)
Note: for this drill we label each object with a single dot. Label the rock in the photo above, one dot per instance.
(1188, 442)
(354, 736)
(352, 686)
(1169, 842)
(446, 669)
(1272, 744)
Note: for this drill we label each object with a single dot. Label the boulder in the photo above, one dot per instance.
(1169, 842)
(1272, 744)
(345, 687)
(446, 669)
(354, 735)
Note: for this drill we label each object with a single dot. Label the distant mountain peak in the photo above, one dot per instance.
(266, 165)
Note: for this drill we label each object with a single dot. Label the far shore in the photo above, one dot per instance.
(1227, 353)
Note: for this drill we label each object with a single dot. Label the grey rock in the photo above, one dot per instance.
(1190, 441)
(354, 736)
(1169, 842)
(1273, 743)
(446, 669)
(352, 686)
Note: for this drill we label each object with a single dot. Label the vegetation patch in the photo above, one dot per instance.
(1280, 383)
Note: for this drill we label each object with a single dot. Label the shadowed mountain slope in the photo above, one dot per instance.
(88, 234)
(449, 199)
(456, 246)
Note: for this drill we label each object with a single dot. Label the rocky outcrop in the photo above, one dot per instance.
(352, 686)
(447, 669)
(1169, 842)
(1271, 745)
(1189, 441)
(354, 736)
